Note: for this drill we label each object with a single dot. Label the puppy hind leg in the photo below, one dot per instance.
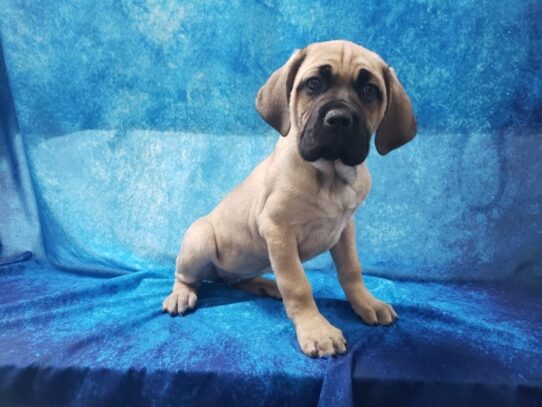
(194, 264)
(260, 286)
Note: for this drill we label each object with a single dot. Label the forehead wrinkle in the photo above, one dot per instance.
(364, 60)
(370, 65)
(344, 53)
(345, 62)
(314, 67)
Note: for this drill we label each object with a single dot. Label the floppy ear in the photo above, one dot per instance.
(398, 126)
(273, 99)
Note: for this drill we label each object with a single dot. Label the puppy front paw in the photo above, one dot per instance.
(318, 338)
(373, 311)
(182, 299)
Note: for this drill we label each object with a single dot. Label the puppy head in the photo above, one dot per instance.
(332, 96)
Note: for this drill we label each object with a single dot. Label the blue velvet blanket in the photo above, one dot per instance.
(88, 339)
(121, 122)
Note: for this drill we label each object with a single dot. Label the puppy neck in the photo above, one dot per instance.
(330, 172)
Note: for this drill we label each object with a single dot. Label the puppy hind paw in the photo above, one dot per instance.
(260, 286)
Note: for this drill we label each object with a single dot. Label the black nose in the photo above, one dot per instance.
(338, 118)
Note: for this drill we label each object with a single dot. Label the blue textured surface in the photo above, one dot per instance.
(155, 64)
(99, 87)
(90, 340)
(453, 210)
(121, 122)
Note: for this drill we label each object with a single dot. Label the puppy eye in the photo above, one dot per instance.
(369, 93)
(314, 84)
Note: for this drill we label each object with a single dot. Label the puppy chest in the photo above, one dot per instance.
(320, 235)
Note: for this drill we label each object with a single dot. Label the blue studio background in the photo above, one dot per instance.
(121, 122)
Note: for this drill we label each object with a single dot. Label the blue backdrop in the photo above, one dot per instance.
(121, 122)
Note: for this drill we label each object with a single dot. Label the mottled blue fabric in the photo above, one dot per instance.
(138, 117)
(19, 231)
(90, 339)
(121, 122)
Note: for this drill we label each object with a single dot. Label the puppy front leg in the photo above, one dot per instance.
(369, 308)
(315, 335)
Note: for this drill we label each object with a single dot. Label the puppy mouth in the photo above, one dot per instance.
(352, 148)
